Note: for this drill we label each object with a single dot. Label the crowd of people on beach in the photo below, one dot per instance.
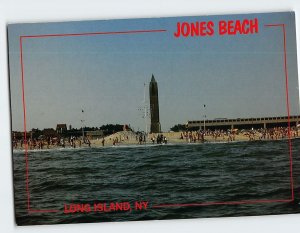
(120, 137)
(275, 133)
(193, 136)
(50, 142)
(199, 136)
(141, 138)
(159, 139)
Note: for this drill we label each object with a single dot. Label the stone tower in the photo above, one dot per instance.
(154, 108)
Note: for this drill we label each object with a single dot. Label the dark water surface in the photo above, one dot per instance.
(160, 174)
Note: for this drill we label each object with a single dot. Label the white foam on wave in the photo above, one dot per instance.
(141, 146)
(19, 151)
(122, 146)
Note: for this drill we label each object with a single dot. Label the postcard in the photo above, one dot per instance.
(155, 118)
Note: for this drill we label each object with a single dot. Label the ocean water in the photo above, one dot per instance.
(169, 177)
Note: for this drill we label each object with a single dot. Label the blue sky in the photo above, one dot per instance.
(234, 76)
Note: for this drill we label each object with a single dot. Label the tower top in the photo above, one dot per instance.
(153, 97)
(153, 79)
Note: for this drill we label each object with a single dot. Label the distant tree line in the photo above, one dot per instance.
(110, 128)
(178, 128)
(50, 132)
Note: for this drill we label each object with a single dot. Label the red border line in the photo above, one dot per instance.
(93, 33)
(24, 119)
(29, 210)
(219, 203)
(158, 205)
(287, 103)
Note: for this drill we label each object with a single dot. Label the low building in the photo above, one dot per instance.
(61, 128)
(244, 123)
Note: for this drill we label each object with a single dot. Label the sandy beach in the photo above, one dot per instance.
(128, 138)
(131, 138)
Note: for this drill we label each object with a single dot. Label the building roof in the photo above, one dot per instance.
(61, 126)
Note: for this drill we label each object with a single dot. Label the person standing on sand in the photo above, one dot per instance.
(153, 139)
(103, 141)
(202, 137)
